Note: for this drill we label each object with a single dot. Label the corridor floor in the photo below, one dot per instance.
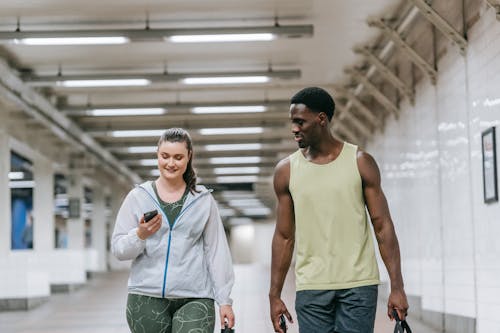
(99, 306)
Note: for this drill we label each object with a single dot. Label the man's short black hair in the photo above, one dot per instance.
(316, 99)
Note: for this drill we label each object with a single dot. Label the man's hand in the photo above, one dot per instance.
(397, 300)
(146, 229)
(277, 309)
(226, 315)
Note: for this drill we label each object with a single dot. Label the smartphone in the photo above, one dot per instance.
(149, 215)
(283, 323)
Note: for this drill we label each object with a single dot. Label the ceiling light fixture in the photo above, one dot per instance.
(229, 109)
(236, 179)
(142, 79)
(186, 35)
(226, 79)
(136, 133)
(222, 38)
(257, 211)
(103, 83)
(72, 41)
(231, 130)
(141, 149)
(235, 160)
(148, 162)
(234, 146)
(250, 202)
(236, 170)
(126, 112)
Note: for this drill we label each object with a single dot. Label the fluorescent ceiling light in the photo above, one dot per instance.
(127, 112)
(221, 38)
(235, 160)
(231, 195)
(103, 83)
(15, 175)
(228, 109)
(142, 149)
(231, 130)
(240, 223)
(22, 184)
(250, 202)
(72, 41)
(234, 146)
(148, 162)
(226, 79)
(256, 211)
(226, 211)
(236, 179)
(236, 170)
(136, 133)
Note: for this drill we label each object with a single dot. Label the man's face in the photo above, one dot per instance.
(305, 125)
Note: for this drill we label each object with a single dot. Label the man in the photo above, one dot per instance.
(322, 191)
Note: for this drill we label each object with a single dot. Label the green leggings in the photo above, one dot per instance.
(147, 314)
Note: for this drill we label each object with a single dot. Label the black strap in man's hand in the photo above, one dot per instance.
(401, 325)
(283, 323)
(226, 329)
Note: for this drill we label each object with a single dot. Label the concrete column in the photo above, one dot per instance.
(43, 205)
(98, 225)
(5, 203)
(75, 225)
(117, 196)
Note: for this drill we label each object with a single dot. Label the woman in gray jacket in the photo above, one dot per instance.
(181, 260)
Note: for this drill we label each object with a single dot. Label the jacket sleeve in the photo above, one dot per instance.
(125, 244)
(218, 256)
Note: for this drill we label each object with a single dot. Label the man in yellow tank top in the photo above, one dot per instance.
(323, 190)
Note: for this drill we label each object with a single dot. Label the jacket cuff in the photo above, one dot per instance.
(135, 240)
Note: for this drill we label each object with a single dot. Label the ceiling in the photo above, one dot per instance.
(314, 50)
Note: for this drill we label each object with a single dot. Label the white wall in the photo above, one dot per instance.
(431, 166)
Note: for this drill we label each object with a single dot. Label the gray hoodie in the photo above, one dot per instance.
(191, 260)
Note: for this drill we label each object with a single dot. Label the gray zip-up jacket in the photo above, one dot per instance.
(191, 260)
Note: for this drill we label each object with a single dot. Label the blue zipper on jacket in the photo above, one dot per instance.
(170, 239)
(170, 233)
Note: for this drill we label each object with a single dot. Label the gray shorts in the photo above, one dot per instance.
(337, 311)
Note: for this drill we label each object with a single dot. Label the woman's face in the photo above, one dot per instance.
(173, 158)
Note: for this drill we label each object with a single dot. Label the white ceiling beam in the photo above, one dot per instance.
(345, 133)
(345, 113)
(406, 48)
(102, 126)
(49, 80)
(387, 73)
(359, 106)
(83, 110)
(441, 24)
(153, 34)
(496, 6)
(374, 91)
(39, 108)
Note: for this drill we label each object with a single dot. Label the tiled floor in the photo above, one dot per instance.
(99, 308)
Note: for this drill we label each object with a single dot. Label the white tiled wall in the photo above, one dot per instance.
(430, 161)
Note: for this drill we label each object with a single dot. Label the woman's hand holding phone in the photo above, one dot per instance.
(149, 224)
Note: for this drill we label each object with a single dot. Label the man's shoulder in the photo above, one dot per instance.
(283, 164)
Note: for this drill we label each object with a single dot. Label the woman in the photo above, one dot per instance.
(181, 260)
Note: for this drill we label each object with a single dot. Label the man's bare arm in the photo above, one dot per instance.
(283, 241)
(384, 231)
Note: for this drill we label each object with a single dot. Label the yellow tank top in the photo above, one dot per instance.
(333, 238)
